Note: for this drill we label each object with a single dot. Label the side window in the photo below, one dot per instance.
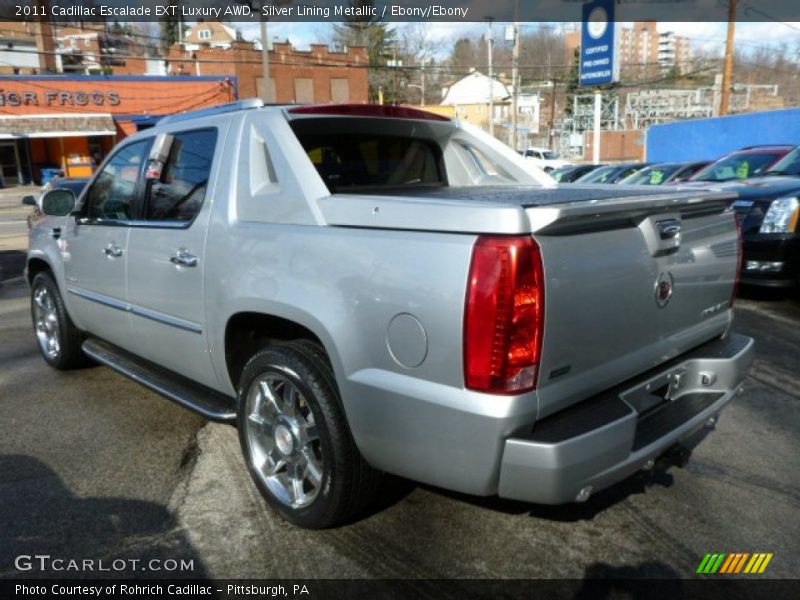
(112, 193)
(179, 193)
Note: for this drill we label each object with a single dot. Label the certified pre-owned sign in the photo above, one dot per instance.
(599, 63)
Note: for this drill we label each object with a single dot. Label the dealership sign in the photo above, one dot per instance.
(599, 64)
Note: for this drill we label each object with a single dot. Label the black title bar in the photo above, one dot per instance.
(389, 10)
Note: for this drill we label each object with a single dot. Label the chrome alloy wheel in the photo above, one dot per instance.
(283, 440)
(46, 322)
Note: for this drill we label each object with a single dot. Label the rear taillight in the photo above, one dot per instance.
(504, 316)
(739, 255)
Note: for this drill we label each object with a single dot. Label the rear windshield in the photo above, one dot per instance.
(370, 161)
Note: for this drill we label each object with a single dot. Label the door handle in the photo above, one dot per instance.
(56, 232)
(113, 251)
(183, 258)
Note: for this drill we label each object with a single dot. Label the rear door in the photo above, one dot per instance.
(95, 246)
(166, 252)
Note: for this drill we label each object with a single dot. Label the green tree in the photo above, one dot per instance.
(465, 56)
(573, 81)
(170, 25)
(381, 43)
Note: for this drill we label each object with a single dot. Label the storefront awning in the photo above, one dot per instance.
(56, 125)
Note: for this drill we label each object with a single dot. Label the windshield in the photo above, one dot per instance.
(687, 171)
(788, 165)
(738, 166)
(600, 175)
(557, 174)
(549, 155)
(651, 175)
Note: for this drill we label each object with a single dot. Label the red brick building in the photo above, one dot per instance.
(314, 76)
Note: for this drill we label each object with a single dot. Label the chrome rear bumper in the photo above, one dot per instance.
(602, 440)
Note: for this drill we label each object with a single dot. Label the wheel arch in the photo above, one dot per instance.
(247, 332)
(36, 265)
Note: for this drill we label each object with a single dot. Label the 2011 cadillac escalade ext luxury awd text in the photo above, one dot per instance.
(376, 289)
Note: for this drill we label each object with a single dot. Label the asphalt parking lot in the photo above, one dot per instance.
(94, 466)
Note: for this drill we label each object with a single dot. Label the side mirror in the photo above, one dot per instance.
(58, 203)
(29, 201)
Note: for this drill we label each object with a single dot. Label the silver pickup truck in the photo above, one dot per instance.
(370, 289)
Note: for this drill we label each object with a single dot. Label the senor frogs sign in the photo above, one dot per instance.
(56, 98)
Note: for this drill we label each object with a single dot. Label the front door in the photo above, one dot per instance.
(9, 164)
(166, 252)
(95, 247)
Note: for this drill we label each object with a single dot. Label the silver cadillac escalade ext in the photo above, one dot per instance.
(367, 289)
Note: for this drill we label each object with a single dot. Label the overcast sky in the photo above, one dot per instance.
(708, 36)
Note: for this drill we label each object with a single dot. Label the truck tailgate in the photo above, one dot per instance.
(629, 288)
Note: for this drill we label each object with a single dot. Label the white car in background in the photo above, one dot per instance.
(545, 159)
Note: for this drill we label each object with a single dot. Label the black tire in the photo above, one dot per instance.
(347, 483)
(68, 353)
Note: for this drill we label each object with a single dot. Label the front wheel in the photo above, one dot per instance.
(295, 438)
(59, 340)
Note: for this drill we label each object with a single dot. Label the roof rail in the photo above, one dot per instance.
(214, 110)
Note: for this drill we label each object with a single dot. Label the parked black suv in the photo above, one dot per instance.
(769, 211)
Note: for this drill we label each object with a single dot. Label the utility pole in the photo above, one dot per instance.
(394, 76)
(490, 50)
(422, 87)
(727, 73)
(515, 83)
(550, 135)
(598, 112)
(265, 95)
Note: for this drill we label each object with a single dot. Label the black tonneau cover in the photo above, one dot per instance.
(526, 195)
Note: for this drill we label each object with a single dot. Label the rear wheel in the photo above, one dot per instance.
(295, 438)
(59, 340)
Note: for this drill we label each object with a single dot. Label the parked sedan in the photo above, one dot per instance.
(571, 173)
(743, 164)
(664, 173)
(611, 173)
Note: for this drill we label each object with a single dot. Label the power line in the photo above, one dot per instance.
(750, 8)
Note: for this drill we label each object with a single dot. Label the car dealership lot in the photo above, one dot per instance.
(94, 466)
